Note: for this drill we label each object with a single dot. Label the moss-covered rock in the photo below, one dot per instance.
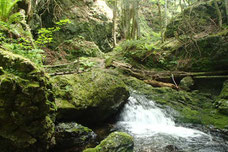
(195, 42)
(186, 83)
(193, 107)
(196, 19)
(88, 20)
(115, 142)
(91, 97)
(207, 53)
(69, 135)
(139, 53)
(26, 102)
(78, 47)
(222, 100)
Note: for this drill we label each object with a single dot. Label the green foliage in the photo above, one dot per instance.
(6, 9)
(2, 37)
(46, 34)
(24, 49)
(23, 46)
(86, 64)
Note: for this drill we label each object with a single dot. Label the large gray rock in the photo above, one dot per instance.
(115, 142)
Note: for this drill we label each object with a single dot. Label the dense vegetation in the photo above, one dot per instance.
(77, 61)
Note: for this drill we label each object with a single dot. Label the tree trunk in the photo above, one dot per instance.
(226, 6)
(155, 83)
(166, 13)
(160, 14)
(114, 23)
(218, 13)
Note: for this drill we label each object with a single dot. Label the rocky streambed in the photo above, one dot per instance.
(39, 113)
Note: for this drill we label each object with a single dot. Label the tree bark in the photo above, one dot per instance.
(114, 23)
(218, 13)
(155, 83)
(166, 13)
(226, 6)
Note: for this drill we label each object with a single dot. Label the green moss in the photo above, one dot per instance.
(70, 135)
(224, 92)
(108, 62)
(222, 100)
(115, 142)
(98, 91)
(94, 27)
(26, 102)
(1, 71)
(79, 47)
(199, 19)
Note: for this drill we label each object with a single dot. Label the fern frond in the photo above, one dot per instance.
(16, 17)
(6, 8)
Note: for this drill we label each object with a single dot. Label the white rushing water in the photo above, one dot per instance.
(154, 130)
(142, 117)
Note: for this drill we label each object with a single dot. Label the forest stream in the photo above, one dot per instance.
(154, 130)
(113, 76)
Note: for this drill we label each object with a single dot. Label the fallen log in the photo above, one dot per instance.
(211, 77)
(65, 73)
(166, 75)
(155, 83)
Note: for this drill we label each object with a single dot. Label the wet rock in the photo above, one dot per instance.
(171, 148)
(91, 97)
(186, 83)
(26, 105)
(70, 135)
(115, 142)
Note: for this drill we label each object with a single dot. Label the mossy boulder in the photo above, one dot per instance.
(26, 105)
(186, 83)
(196, 19)
(222, 100)
(88, 20)
(79, 47)
(115, 142)
(72, 135)
(139, 53)
(209, 54)
(90, 97)
(194, 41)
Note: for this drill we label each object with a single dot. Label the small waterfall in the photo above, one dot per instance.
(154, 130)
(142, 117)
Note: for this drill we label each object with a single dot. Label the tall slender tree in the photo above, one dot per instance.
(226, 7)
(114, 22)
(166, 12)
(130, 19)
(218, 13)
